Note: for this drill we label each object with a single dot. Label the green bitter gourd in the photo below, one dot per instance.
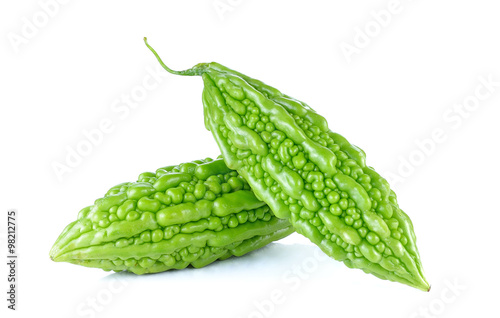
(308, 174)
(191, 214)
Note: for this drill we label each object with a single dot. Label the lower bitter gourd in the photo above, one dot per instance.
(308, 174)
(191, 214)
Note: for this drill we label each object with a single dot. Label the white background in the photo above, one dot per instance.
(405, 80)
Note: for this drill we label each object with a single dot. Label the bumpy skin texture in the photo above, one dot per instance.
(191, 214)
(309, 175)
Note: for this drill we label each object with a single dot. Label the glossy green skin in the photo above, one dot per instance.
(309, 175)
(191, 214)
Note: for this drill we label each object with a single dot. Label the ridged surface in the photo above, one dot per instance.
(191, 214)
(310, 175)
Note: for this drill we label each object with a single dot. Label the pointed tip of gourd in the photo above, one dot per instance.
(53, 254)
(59, 258)
(57, 252)
(425, 288)
(422, 284)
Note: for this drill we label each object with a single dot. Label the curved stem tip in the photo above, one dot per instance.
(190, 72)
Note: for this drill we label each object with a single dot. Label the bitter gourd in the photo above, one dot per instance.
(191, 214)
(308, 174)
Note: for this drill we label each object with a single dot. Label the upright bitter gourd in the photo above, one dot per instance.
(191, 214)
(308, 174)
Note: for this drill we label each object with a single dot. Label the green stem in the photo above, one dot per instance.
(196, 70)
